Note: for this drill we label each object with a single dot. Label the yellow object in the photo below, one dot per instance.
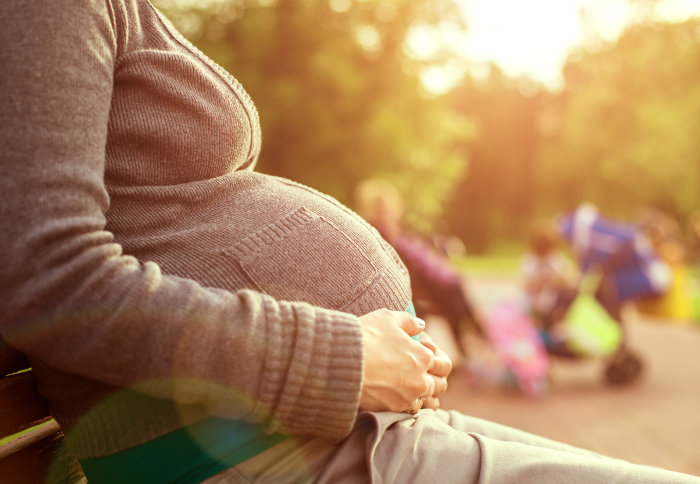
(675, 303)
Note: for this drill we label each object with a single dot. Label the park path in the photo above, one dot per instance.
(655, 421)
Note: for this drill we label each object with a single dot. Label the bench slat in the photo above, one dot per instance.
(44, 460)
(30, 464)
(30, 438)
(22, 406)
(37, 456)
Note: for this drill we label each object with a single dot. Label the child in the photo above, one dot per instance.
(549, 279)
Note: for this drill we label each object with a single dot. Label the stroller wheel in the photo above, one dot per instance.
(624, 368)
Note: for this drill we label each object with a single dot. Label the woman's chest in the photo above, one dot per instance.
(175, 115)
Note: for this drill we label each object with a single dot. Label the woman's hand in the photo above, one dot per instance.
(442, 366)
(396, 368)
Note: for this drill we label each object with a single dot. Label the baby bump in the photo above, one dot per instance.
(301, 245)
(248, 230)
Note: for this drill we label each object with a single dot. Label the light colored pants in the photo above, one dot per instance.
(438, 446)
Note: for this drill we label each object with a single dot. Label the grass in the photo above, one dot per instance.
(501, 265)
(502, 260)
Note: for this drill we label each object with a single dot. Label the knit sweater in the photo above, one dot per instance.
(150, 275)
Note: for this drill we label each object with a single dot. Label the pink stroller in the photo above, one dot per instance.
(514, 336)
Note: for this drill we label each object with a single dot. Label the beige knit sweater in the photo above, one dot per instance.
(144, 264)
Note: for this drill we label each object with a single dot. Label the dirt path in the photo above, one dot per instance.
(654, 422)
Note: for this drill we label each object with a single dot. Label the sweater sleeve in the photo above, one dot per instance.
(74, 300)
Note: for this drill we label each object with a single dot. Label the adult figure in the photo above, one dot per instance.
(438, 287)
(139, 255)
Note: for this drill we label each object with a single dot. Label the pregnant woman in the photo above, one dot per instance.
(192, 320)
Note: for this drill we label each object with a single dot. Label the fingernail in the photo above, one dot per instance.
(421, 323)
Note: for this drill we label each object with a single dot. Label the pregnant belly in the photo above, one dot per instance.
(284, 239)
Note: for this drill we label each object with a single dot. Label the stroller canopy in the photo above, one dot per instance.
(618, 248)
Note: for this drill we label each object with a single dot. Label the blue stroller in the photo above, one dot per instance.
(629, 270)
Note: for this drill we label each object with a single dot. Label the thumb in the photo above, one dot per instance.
(412, 326)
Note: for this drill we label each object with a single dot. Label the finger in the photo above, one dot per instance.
(427, 341)
(425, 337)
(424, 358)
(432, 402)
(430, 382)
(412, 326)
(442, 365)
(440, 387)
(416, 405)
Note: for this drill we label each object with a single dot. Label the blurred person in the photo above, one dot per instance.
(693, 237)
(664, 234)
(549, 279)
(548, 275)
(145, 268)
(438, 287)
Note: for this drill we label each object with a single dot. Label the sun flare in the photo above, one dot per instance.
(533, 39)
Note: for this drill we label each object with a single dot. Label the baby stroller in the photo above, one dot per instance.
(587, 330)
(513, 334)
(621, 266)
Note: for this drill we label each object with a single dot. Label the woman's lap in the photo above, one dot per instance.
(442, 446)
(452, 447)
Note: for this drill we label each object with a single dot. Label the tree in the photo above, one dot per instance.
(339, 95)
(629, 117)
(495, 197)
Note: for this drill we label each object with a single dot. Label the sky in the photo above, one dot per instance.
(532, 38)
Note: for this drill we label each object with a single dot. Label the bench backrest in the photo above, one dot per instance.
(29, 457)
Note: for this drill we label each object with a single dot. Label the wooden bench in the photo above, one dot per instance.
(36, 456)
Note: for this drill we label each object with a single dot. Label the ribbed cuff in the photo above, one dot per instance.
(321, 374)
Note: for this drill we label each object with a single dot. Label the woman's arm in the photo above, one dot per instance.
(72, 298)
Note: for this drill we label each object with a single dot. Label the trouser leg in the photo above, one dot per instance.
(449, 447)
(445, 447)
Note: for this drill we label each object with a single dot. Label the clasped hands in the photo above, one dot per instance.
(400, 374)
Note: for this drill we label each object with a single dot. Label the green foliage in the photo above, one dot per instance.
(630, 113)
(339, 95)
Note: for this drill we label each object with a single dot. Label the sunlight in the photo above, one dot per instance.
(523, 38)
(679, 10)
(533, 39)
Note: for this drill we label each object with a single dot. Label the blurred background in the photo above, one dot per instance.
(485, 113)
(488, 116)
